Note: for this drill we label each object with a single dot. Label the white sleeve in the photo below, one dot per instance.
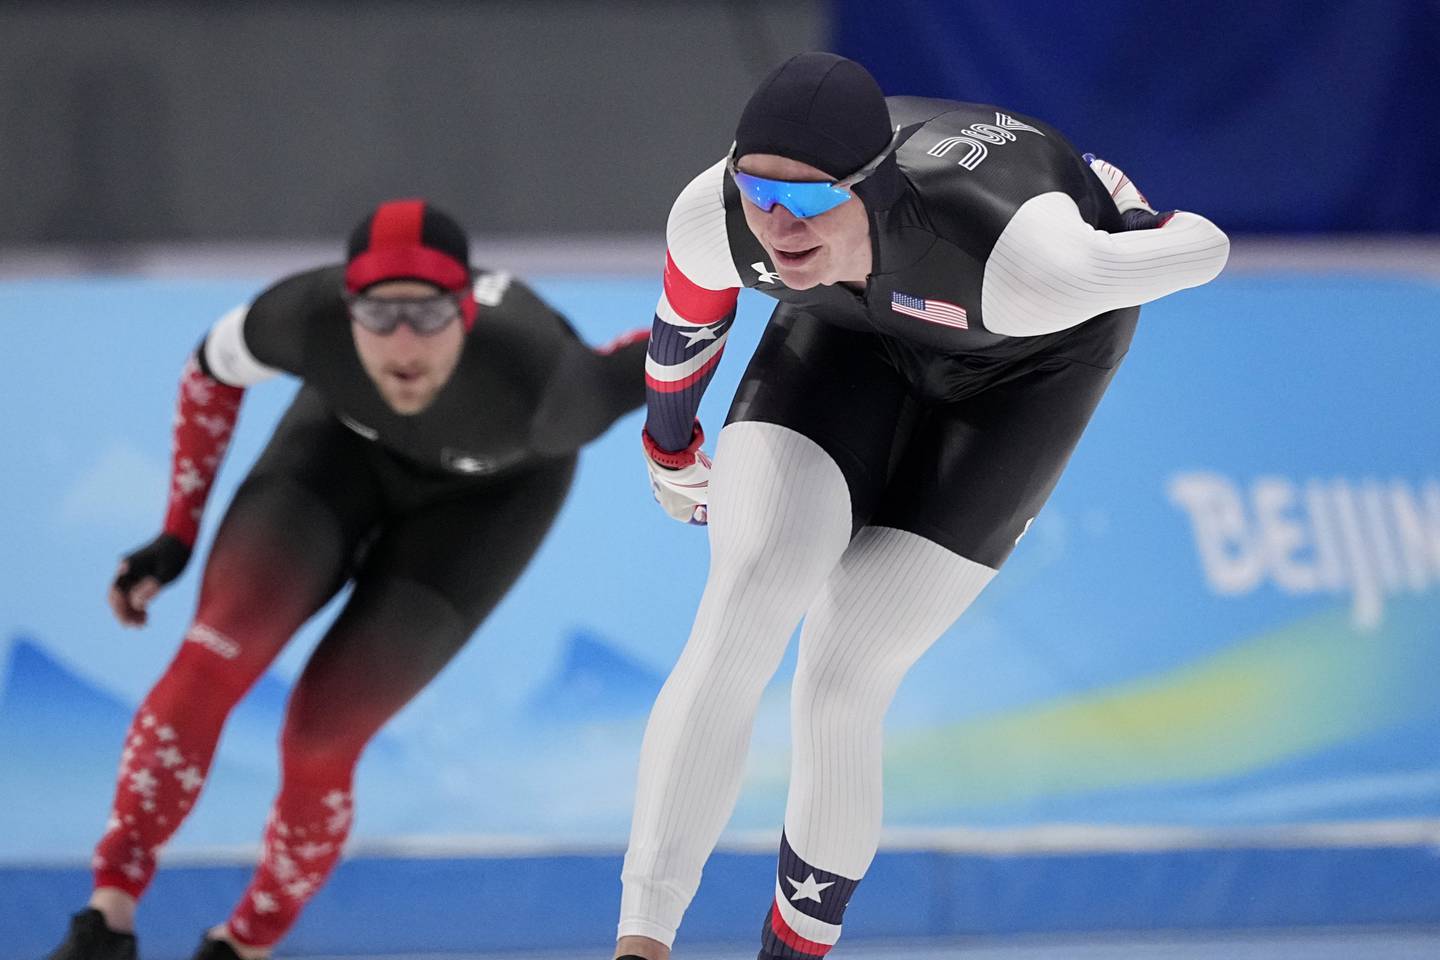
(1051, 270)
(695, 233)
(227, 356)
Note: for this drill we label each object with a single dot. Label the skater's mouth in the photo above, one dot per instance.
(795, 258)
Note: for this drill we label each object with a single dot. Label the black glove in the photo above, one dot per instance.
(1135, 211)
(163, 558)
(1141, 219)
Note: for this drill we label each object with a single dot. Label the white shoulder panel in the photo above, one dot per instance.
(227, 355)
(1050, 270)
(696, 235)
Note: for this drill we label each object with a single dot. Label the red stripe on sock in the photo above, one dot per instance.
(792, 939)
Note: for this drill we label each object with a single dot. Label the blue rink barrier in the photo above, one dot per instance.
(393, 905)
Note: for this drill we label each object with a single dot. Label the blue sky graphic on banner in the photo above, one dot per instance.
(1228, 614)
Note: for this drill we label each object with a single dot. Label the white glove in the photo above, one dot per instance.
(684, 492)
(680, 481)
(1122, 189)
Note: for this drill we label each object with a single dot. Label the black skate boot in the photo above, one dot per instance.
(90, 939)
(210, 949)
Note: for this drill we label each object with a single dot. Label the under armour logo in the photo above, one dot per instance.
(1026, 530)
(766, 276)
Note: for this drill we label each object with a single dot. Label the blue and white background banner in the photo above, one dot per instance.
(1221, 634)
(1228, 616)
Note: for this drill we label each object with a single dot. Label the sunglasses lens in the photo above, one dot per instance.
(801, 199)
(426, 316)
(432, 315)
(374, 315)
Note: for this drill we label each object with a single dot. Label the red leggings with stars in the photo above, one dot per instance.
(429, 556)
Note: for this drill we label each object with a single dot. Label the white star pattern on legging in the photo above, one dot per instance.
(143, 782)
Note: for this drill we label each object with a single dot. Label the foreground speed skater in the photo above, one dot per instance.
(957, 286)
(427, 452)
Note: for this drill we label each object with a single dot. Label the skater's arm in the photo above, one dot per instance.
(588, 390)
(687, 339)
(1050, 270)
(692, 321)
(693, 316)
(207, 406)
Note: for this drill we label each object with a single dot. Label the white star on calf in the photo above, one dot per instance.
(142, 782)
(300, 889)
(283, 867)
(147, 721)
(165, 734)
(198, 390)
(809, 890)
(339, 823)
(190, 778)
(188, 479)
(216, 426)
(309, 850)
(169, 757)
(338, 801)
(134, 871)
(264, 903)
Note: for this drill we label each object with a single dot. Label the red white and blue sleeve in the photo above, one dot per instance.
(692, 318)
(211, 388)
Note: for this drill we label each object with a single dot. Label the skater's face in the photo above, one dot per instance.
(831, 247)
(408, 369)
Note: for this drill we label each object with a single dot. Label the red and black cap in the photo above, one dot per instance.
(410, 240)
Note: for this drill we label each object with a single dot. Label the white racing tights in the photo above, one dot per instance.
(780, 549)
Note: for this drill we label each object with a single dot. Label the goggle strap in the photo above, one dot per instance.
(846, 182)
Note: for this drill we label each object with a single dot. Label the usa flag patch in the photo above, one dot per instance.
(936, 311)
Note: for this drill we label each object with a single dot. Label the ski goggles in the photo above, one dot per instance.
(424, 315)
(803, 198)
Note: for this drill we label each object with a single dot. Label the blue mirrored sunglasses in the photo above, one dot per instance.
(803, 198)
